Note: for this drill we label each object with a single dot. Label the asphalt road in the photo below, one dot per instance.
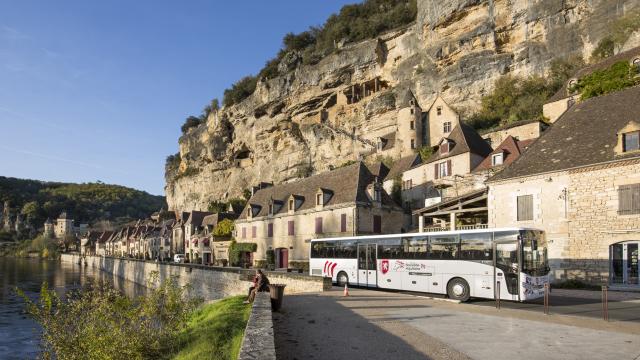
(390, 325)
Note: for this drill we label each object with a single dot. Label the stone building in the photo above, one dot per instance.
(344, 202)
(580, 183)
(454, 155)
(566, 97)
(519, 130)
(64, 226)
(48, 228)
(192, 227)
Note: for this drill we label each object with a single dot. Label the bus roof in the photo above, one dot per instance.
(386, 236)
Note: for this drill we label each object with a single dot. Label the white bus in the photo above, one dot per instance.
(461, 264)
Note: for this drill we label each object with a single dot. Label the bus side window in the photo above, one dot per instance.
(476, 247)
(443, 247)
(415, 247)
(390, 249)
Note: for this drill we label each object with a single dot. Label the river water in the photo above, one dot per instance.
(20, 335)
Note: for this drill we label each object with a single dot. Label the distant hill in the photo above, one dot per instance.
(88, 203)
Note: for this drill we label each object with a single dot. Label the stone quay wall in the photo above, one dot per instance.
(207, 282)
(258, 341)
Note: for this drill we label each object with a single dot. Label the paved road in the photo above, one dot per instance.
(388, 325)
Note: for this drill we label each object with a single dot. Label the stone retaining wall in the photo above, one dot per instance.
(206, 281)
(258, 341)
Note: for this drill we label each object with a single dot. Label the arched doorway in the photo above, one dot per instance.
(623, 263)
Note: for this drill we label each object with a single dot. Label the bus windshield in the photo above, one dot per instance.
(534, 253)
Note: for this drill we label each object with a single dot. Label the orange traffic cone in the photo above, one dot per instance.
(346, 290)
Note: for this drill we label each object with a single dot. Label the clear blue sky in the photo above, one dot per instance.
(98, 90)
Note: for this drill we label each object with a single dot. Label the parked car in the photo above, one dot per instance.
(178, 258)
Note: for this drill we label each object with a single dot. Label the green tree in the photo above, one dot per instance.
(619, 76)
(223, 228)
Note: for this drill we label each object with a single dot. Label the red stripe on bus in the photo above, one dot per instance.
(325, 267)
(333, 267)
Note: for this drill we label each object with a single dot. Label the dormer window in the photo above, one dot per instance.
(270, 209)
(631, 141)
(292, 204)
(412, 102)
(497, 159)
(446, 127)
(412, 111)
(439, 110)
(444, 147)
(249, 212)
(377, 196)
(319, 199)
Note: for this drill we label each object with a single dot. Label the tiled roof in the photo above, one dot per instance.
(213, 219)
(403, 164)
(347, 184)
(379, 169)
(584, 135)
(465, 139)
(606, 63)
(196, 217)
(511, 149)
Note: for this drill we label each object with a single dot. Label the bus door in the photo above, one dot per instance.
(367, 265)
(506, 270)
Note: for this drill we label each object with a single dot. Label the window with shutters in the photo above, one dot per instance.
(254, 232)
(270, 230)
(444, 169)
(525, 207)
(291, 228)
(318, 225)
(631, 141)
(343, 223)
(377, 224)
(629, 199)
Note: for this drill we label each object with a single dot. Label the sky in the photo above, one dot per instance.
(97, 90)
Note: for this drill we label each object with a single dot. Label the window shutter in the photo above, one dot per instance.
(254, 232)
(291, 228)
(437, 172)
(449, 172)
(377, 224)
(270, 230)
(318, 225)
(343, 223)
(629, 199)
(525, 208)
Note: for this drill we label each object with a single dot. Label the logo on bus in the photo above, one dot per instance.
(385, 266)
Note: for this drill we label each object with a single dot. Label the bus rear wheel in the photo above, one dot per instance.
(458, 289)
(342, 278)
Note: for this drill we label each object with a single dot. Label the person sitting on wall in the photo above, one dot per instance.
(260, 283)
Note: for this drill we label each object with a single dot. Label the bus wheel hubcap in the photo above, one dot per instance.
(458, 289)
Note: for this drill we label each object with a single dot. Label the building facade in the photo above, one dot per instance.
(344, 202)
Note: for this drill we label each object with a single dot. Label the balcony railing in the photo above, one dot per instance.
(472, 227)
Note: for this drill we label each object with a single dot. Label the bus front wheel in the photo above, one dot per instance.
(458, 289)
(342, 278)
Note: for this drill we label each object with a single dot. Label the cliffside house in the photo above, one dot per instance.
(436, 178)
(566, 97)
(177, 238)
(207, 248)
(580, 183)
(520, 130)
(344, 202)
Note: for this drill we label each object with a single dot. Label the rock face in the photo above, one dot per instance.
(316, 117)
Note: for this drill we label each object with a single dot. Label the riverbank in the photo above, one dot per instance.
(215, 331)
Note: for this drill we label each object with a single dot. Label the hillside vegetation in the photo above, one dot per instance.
(85, 203)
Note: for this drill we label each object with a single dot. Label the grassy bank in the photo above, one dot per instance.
(40, 246)
(215, 330)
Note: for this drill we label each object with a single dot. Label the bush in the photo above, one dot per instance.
(99, 321)
(191, 122)
(223, 228)
(425, 152)
(236, 248)
(239, 91)
(619, 76)
(271, 257)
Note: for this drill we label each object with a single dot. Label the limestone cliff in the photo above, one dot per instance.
(319, 116)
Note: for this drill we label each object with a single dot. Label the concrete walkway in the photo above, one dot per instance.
(388, 325)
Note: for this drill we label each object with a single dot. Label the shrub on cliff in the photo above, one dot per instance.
(619, 76)
(239, 91)
(191, 122)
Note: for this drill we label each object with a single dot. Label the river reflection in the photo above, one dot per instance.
(19, 335)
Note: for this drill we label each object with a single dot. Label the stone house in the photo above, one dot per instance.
(177, 237)
(101, 243)
(566, 97)
(64, 226)
(580, 183)
(436, 178)
(192, 228)
(344, 202)
(203, 243)
(519, 130)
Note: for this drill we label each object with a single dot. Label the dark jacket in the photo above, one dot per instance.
(263, 283)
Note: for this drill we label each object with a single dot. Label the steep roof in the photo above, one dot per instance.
(465, 139)
(347, 185)
(403, 164)
(604, 64)
(213, 219)
(511, 149)
(584, 135)
(379, 169)
(196, 217)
